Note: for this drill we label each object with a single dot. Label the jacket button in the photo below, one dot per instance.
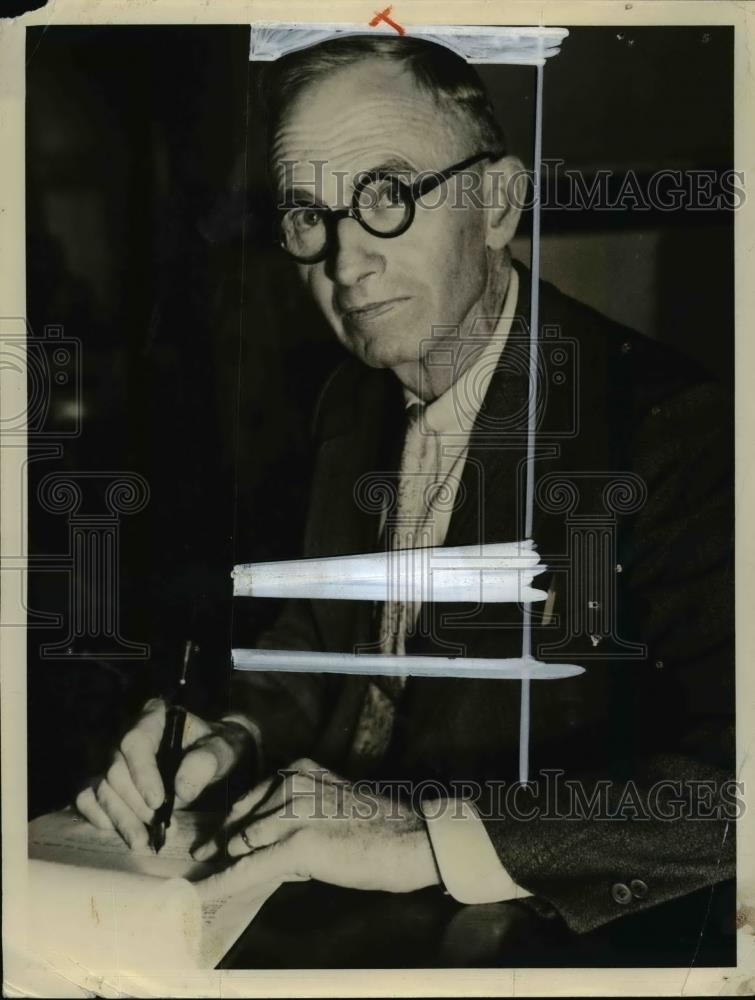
(639, 888)
(621, 893)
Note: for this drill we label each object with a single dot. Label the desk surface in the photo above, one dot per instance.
(308, 925)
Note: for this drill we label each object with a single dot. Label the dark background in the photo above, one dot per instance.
(149, 241)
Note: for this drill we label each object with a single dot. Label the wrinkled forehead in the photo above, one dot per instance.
(361, 118)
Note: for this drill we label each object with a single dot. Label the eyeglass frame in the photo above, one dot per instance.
(411, 192)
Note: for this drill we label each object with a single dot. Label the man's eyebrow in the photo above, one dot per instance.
(393, 163)
(299, 195)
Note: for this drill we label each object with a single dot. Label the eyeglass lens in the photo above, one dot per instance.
(382, 206)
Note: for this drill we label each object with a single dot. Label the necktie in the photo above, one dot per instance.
(408, 526)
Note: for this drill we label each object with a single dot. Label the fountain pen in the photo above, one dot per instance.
(170, 752)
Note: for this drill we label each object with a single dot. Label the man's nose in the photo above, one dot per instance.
(356, 254)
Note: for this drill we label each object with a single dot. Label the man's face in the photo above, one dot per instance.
(383, 296)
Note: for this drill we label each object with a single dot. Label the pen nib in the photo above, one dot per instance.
(158, 837)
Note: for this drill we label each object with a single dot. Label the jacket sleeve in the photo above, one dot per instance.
(663, 827)
(283, 711)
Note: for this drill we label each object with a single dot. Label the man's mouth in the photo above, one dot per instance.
(372, 310)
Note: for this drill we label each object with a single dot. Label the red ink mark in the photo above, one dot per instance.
(383, 16)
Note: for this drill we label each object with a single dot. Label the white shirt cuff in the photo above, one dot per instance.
(467, 861)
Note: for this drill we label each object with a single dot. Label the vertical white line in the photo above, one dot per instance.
(524, 707)
(239, 359)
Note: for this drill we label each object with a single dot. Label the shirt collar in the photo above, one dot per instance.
(455, 410)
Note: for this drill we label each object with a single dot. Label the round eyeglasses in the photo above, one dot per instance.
(382, 204)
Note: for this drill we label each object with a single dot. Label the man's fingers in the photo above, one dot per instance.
(209, 760)
(283, 861)
(274, 791)
(238, 810)
(195, 729)
(262, 833)
(119, 779)
(140, 745)
(251, 800)
(90, 809)
(270, 795)
(139, 748)
(129, 826)
(132, 789)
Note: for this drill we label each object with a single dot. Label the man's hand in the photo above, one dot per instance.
(127, 796)
(314, 824)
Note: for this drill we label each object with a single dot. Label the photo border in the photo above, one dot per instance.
(23, 975)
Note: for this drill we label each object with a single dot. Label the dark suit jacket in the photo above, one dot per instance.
(634, 518)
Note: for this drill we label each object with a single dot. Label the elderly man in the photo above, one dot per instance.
(398, 203)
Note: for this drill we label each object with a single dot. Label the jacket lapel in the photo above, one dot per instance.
(489, 504)
(354, 472)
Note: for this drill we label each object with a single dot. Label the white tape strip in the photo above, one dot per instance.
(478, 573)
(385, 665)
(520, 46)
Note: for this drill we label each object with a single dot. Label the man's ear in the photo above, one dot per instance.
(505, 193)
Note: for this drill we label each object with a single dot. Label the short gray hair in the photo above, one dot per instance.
(436, 70)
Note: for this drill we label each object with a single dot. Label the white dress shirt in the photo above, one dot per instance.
(467, 861)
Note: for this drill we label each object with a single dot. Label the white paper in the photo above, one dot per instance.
(123, 910)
